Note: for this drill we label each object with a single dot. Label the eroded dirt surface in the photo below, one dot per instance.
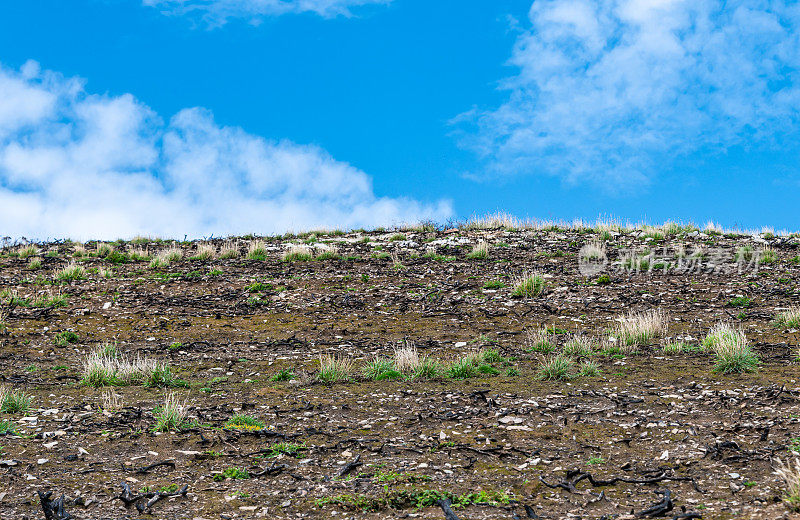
(653, 420)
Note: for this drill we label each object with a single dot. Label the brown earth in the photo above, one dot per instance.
(655, 421)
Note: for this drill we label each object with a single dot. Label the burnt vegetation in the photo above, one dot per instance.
(494, 369)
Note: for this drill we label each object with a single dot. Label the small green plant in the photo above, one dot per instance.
(286, 448)
(283, 375)
(244, 422)
(555, 368)
(741, 301)
(494, 284)
(231, 473)
(603, 279)
(66, 337)
(6, 428)
(593, 461)
(176, 345)
(528, 286)
(397, 237)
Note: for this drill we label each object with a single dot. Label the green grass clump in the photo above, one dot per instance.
(298, 253)
(283, 375)
(257, 250)
(333, 368)
(6, 428)
(578, 346)
(171, 415)
(244, 422)
(13, 401)
(426, 368)
(639, 329)
(71, 272)
(555, 368)
(380, 369)
(732, 352)
(675, 347)
(744, 253)
(28, 251)
(462, 368)
(528, 286)
(540, 340)
(494, 284)
(479, 252)
(588, 368)
(66, 337)
(232, 473)
(161, 376)
(767, 256)
(741, 301)
(286, 448)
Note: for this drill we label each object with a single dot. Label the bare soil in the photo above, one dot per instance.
(648, 422)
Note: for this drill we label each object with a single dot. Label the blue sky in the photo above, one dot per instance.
(231, 116)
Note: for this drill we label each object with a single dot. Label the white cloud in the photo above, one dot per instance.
(81, 165)
(608, 89)
(218, 12)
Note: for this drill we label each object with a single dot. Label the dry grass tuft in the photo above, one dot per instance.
(172, 415)
(789, 318)
(732, 351)
(334, 368)
(297, 253)
(528, 285)
(790, 474)
(641, 328)
(480, 251)
(540, 340)
(406, 358)
(111, 401)
(229, 250)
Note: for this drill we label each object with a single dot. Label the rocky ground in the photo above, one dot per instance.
(244, 337)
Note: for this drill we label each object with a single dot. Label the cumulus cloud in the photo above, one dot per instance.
(81, 165)
(608, 89)
(218, 12)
